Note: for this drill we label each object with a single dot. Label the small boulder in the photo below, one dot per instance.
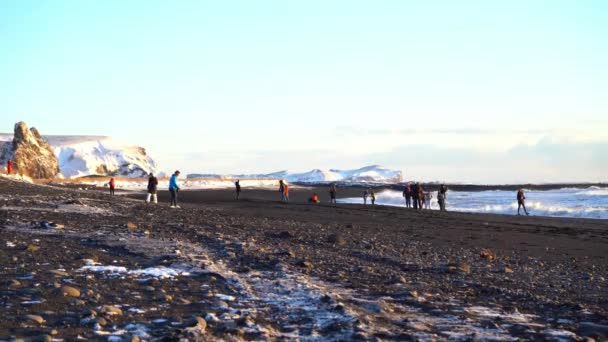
(488, 254)
(70, 291)
(33, 248)
(35, 318)
(336, 239)
(111, 310)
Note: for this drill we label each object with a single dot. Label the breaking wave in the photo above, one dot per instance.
(588, 203)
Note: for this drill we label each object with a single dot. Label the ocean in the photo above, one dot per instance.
(591, 202)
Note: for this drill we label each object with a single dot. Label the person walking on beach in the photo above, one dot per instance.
(521, 199)
(285, 193)
(420, 197)
(442, 196)
(152, 187)
(112, 185)
(407, 193)
(373, 197)
(427, 200)
(365, 194)
(332, 193)
(237, 184)
(9, 167)
(173, 189)
(414, 190)
(440, 200)
(282, 189)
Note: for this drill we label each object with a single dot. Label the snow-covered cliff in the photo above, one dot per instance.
(97, 155)
(368, 174)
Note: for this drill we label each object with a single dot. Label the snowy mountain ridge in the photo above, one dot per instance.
(367, 174)
(96, 155)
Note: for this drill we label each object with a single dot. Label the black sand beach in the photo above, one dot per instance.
(263, 270)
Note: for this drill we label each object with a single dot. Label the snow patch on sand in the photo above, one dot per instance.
(151, 272)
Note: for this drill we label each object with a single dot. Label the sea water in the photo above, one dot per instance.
(591, 202)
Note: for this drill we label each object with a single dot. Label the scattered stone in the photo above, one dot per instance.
(593, 329)
(35, 318)
(304, 264)
(285, 235)
(59, 273)
(33, 248)
(488, 254)
(456, 268)
(14, 283)
(196, 328)
(131, 225)
(111, 310)
(508, 270)
(70, 291)
(336, 239)
(102, 321)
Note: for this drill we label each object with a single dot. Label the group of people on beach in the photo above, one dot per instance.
(416, 197)
(414, 194)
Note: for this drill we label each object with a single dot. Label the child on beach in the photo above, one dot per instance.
(373, 196)
(9, 167)
(314, 199)
(152, 187)
(521, 198)
(365, 194)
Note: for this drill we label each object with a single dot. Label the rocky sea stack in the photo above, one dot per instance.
(31, 154)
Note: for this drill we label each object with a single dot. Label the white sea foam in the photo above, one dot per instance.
(588, 203)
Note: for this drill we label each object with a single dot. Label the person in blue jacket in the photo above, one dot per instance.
(173, 189)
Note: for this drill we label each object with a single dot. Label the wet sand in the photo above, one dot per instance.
(298, 269)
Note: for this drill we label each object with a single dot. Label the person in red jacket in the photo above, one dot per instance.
(314, 199)
(112, 184)
(9, 167)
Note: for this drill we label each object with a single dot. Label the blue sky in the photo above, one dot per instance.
(481, 91)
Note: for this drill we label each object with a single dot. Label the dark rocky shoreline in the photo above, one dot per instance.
(263, 270)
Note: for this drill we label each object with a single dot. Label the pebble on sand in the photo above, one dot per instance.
(111, 310)
(70, 291)
(35, 318)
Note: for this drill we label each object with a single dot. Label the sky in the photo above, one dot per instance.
(472, 91)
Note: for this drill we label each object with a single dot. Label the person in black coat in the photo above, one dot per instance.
(237, 184)
(152, 187)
